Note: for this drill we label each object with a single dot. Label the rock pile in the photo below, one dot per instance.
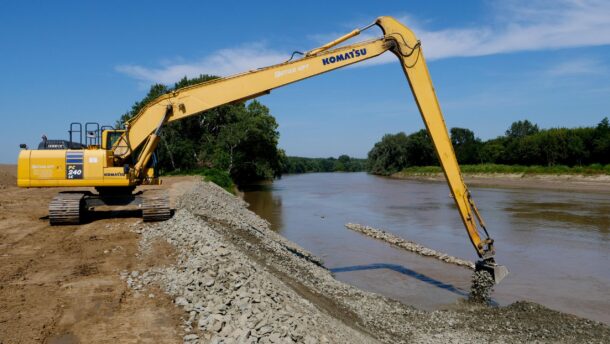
(229, 299)
(239, 282)
(409, 245)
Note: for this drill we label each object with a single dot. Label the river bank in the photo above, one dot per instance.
(566, 182)
(237, 281)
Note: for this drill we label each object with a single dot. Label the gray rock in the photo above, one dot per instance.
(181, 301)
(264, 330)
(216, 325)
(208, 282)
(190, 337)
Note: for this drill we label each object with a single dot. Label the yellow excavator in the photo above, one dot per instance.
(114, 162)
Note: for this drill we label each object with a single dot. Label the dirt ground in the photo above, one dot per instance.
(62, 284)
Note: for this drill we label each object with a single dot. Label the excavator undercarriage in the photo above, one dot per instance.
(73, 207)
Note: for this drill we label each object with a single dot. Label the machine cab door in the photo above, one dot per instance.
(110, 137)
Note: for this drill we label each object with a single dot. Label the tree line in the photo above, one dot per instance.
(523, 143)
(344, 163)
(238, 139)
(239, 142)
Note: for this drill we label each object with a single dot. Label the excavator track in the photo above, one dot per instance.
(66, 208)
(155, 206)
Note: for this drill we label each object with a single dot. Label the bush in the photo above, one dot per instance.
(219, 177)
(214, 175)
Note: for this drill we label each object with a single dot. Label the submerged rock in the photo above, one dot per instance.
(409, 245)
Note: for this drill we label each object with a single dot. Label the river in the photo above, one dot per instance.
(556, 244)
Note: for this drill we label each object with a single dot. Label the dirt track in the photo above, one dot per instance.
(230, 278)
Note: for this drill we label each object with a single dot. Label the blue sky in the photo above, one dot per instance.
(491, 62)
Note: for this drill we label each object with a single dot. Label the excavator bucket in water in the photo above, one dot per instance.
(497, 272)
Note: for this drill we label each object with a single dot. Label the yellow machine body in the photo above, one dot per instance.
(73, 168)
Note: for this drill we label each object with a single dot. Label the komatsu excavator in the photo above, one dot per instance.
(114, 162)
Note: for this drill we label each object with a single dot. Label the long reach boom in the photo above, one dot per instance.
(134, 149)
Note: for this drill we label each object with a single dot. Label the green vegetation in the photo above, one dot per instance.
(344, 163)
(238, 139)
(524, 148)
(509, 169)
(216, 176)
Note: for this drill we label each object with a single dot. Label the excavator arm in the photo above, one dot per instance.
(142, 131)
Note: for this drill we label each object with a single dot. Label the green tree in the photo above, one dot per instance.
(493, 151)
(523, 144)
(388, 155)
(238, 138)
(343, 164)
(155, 91)
(521, 129)
(420, 150)
(466, 146)
(600, 145)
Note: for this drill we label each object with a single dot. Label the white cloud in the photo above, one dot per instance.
(576, 67)
(222, 63)
(525, 26)
(519, 26)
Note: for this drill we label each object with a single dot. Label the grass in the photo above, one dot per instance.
(216, 176)
(594, 169)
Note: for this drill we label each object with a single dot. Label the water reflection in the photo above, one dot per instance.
(265, 203)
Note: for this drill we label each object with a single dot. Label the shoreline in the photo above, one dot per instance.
(256, 285)
(563, 182)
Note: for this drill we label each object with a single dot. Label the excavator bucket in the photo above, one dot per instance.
(498, 272)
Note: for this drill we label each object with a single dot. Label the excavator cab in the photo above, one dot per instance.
(110, 137)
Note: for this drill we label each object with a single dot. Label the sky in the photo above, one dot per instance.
(491, 62)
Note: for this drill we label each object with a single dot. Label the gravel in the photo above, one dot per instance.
(239, 282)
(409, 245)
(481, 287)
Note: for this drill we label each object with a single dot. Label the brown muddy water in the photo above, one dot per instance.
(556, 244)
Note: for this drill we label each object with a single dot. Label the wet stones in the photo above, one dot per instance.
(481, 287)
(409, 245)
